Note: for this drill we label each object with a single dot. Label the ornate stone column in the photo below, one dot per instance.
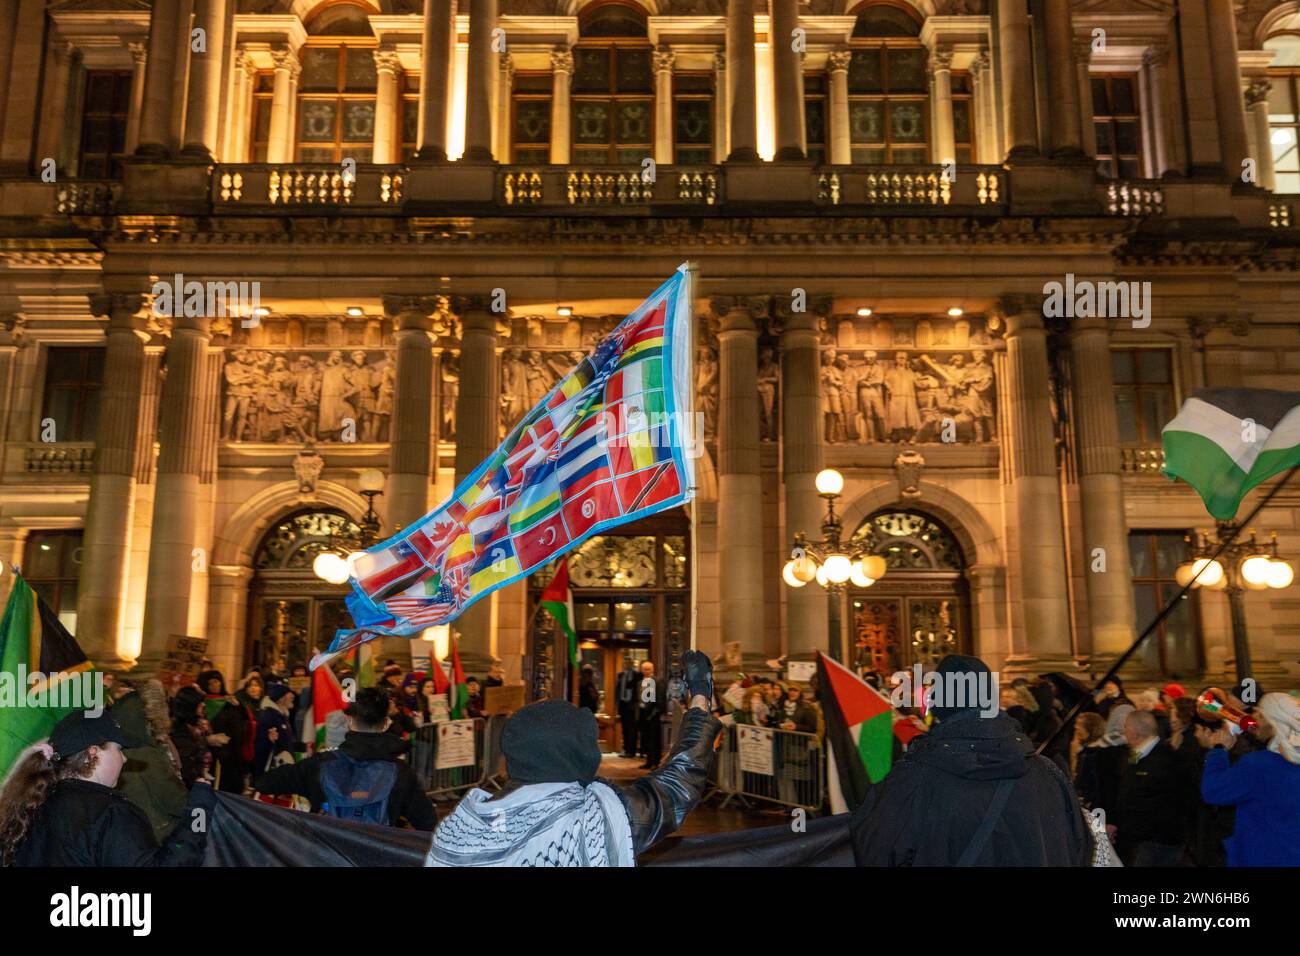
(1155, 63)
(1101, 490)
(477, 422)
(837, 68)
(159, 80)
(1017, 79)
(561, 72)
(63, 63)
(203, 106)
(940, 69)
(787, 79)
(1257, 101)
(21, 86)
(387, 66)
(1199, 100)
(435, 65)
(663, 66)
(1082, 60)
(410, 431)
(480, 79)
(801, 459)
(107, 542)
(287, 69)
(985, 125)
(1228, 103)
(241, 110)
(505, 86)
(740, 488)
(1062, 81)
(139, 57)
(742, 95)
(181, 429)
(1035, 534)
(720, 124)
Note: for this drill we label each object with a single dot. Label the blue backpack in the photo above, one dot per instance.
(358, 789)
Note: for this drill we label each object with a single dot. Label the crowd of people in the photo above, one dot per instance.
(1148, 773)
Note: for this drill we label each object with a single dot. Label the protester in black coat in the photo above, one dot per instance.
(186, 735)
(1150, 814)
(625, 689)
(366, 740)
(651, 707)
(930, 808)
(1048, 723)
(59, 807)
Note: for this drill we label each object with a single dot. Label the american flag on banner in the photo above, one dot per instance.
(610, 443)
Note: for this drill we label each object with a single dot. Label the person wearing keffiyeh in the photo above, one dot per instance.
(555, 811)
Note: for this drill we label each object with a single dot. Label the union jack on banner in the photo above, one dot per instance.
(607, 445)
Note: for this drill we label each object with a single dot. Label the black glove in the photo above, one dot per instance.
(699, 674)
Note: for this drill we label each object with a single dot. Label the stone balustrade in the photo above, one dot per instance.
(929, 187)
(299, 184)
(612, 186)
(76, 458)
(1133, 197)
(1142, 461)
(1279, 215)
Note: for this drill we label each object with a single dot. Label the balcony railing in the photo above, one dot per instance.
(62, 457)
(1134, 197)
(1142, 461)
(613, 186)
(86, 197)
(932, 187)
(306, 185)
(1279, 215)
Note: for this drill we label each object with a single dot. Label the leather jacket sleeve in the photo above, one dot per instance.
(658, 803)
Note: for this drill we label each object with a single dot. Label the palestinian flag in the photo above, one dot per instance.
(459, 688)
(32, 641)
(860, 728)
(326, 698)
(1225, 441)
(558, 600)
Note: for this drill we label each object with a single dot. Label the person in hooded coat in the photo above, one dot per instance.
(971, 792)
(275, 734)
(151, 778)
(187, 734)
(555, 811)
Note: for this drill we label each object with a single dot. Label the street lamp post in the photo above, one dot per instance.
(831, 562)
(333, 564)
(1240, 567)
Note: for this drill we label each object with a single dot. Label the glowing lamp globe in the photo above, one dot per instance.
(829, 482)
(1255, 570)
(873, 566)
(1183, 575)
(1280, 574)
(859, 578)
(821, 575)
(788, 575)
(804, 569)
(328, 566)
(1210, 571)
(838, 568)
(371, 479)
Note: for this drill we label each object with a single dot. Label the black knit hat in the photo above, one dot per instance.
(957, 664)
(551, 741)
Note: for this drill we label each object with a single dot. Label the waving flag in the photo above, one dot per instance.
(609, 444)
(1225, 441)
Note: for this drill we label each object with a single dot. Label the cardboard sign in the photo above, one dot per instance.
(505, 699)
(754, 745)
(455, 744)
(180, 663)
(801, 671)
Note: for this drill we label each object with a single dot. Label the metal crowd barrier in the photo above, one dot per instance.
(797, 764)
(486, 771)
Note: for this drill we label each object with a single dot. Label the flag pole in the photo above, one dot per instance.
(692, 274)
(1167, 609)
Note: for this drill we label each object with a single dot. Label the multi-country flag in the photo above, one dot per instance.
(1225, 441)
(607, 445)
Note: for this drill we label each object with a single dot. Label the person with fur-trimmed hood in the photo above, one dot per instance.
(555, 811)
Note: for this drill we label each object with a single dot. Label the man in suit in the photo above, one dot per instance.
(625, 693)
(649, 714)
(1148, 814)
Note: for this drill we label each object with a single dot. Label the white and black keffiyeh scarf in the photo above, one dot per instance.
(542, 824)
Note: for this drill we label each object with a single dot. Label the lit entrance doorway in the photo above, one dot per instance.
(920, 610)
(291, 610)
(631, 598)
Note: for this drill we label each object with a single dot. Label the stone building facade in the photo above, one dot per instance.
(436, 208)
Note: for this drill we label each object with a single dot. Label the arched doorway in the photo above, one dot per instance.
(292, 612)
(920, 610)
(631, 597)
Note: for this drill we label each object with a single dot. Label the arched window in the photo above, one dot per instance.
(910, 541)
(1284, 110)
(888, 88)
(612, 88)
(295, 541)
